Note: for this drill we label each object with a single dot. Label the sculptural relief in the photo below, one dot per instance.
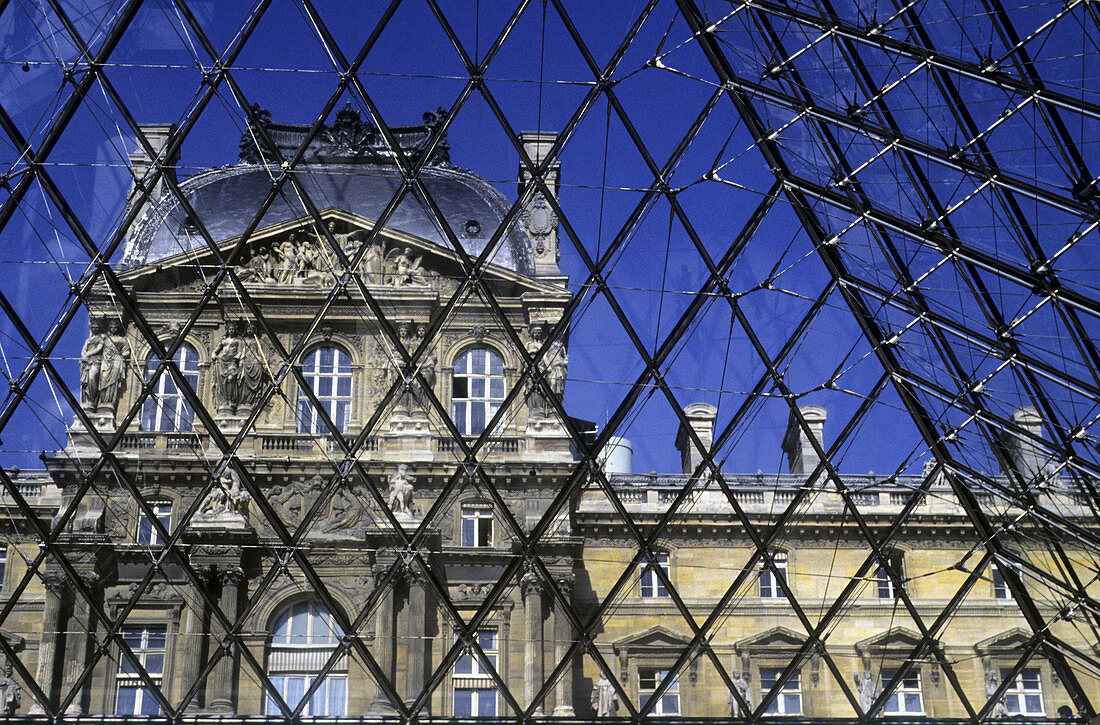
(239, 371)
(342, 516)
(301, 259)
(11, 694)
(227, 500)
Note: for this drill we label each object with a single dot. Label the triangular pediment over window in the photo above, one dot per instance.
(777, 638)
(898, 641)
(657, 637)
(1014, 640)
(296, 255)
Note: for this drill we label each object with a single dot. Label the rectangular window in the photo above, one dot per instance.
(477, 525)
(148, 645)
(906, 698)
(475, 693)
(650, 585)
(789, 699)
(770, 577)
(886, 578)
(328, 700)
(649, 679)
(1000, 587)
(3, 563)
(146, 533)
(1024, 696)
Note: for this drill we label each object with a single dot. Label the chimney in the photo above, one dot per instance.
(700, 416)
(157, 136)
(1025, 456)
(538, 217)
(801, 456)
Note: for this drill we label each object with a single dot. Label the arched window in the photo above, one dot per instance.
(165, 409)
(477, 389)
(327, 371)
(302, 640)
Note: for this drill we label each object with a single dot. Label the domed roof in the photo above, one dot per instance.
(345, 168)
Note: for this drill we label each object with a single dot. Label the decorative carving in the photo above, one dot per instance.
(553, 368)
(103, 364)
(992, 684)
(240, 373)
(11, 694)
(473, 591)
(867, 685)
(413, 396)
(400, 494)
(604, 698)
(345, 512)
(226, 500)
(249, 152)
(541, 223)
(741, 685)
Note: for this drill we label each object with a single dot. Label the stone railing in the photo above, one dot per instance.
(758, 493)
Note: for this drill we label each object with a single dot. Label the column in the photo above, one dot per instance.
(76, 650)
(55, 585)
(563, 635)
(416, 607)
(533, 678)
(189, 649)
(384, 644)
(219, 687)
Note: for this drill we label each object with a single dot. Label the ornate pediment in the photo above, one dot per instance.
(298, 254)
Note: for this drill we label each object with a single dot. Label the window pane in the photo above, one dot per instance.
(486, 703)
(127, 701)
(463, 703)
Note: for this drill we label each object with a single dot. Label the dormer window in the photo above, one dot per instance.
(477, 389)
(327, 371)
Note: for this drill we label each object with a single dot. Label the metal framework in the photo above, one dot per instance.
(913, 178)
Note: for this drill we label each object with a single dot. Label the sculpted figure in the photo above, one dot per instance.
(604, 698)
(372, 264)
(226, 498)
(114, 362)
(741, 684)
(344, 511)
(992, 682)
(557, 363)
(11, 694)
(400, 495)
(288, 260)
(239, 371)
(389, 266)
(91, 364)
(867, 686)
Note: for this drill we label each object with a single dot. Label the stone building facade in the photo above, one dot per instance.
(326, 503)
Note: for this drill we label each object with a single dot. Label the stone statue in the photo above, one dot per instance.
(288, 260)
(400, 495)
(11, 694)
(867, 686)
(604, 698)
(239, 371)
(992, 683)
(116, 360)
(226, 499)
(414, 396)
(372, 264)
(556, 363)
(91, 364)
(741, 684)
(260, 268)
